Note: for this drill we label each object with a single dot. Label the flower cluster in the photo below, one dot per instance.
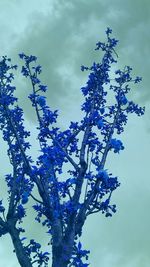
(78, 254)
(116, 145)
(39, 257)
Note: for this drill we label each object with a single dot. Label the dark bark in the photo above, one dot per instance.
(61, 255)
(22, 257)
(62, 252)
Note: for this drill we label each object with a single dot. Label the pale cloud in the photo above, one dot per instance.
(64, 38)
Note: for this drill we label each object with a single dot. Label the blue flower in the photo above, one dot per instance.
(43, 88)
(41, 100)
(137, 79)
(20, 212)
(25, 197)
(117, 145)
(100, 124)
(83, 68)
(124, 100)
(103, 175)
(22, 55)
(108, 31)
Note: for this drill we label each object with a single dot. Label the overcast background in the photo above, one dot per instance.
(62, 34)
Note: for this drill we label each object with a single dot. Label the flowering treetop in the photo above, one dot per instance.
(63, 206)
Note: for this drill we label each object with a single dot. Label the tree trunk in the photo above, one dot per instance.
(22, 257)
(62, 253)
(61, 259)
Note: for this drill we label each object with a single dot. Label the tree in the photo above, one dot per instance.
(63, 205)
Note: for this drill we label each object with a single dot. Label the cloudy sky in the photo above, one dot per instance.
(62, 34)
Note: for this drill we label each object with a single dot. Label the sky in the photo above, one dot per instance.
(63, 34)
